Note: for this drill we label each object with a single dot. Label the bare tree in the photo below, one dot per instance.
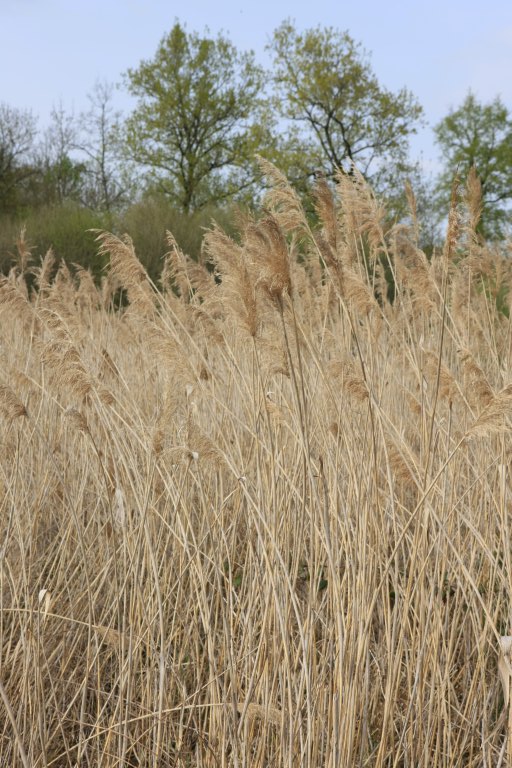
(18, 129)
(107, 182)
(62, 171)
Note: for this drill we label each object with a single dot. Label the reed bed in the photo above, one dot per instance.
(259, 514)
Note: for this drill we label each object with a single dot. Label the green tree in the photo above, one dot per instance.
(199, 118)
(480, 136)
(338, 112)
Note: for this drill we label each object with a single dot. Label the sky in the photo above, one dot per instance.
(53, 51)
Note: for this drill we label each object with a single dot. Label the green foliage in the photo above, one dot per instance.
(147, 222)
(65, 229)
(199, 120)
(62, 181)
(338, 111)
(480, 136)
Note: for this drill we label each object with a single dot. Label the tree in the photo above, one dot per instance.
(198, 120)
(340, 113)
(18, 129)
(107, 185)
(480, 136)
(62, 174)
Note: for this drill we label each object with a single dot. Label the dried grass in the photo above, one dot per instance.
(260, 517)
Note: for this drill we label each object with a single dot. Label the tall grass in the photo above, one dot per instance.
(261, 515)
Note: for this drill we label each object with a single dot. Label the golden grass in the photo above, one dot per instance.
(262, 519)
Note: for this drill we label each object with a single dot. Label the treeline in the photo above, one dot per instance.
(203, 112)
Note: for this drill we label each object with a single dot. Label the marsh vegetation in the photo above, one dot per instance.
(258, 512)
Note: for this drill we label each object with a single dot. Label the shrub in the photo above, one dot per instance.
(147, 221)
(65, 229)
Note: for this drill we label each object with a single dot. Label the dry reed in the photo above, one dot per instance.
(260, 517)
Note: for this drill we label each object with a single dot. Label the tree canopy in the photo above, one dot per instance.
(327, 90)
(479, 136)
(198, 122)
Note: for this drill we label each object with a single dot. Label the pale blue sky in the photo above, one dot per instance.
(52, 51)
